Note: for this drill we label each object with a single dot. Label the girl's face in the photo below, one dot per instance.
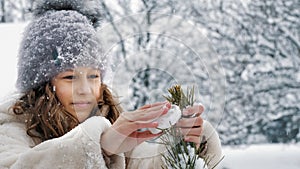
(78, 90)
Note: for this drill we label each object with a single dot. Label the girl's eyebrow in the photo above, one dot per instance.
(69, 70)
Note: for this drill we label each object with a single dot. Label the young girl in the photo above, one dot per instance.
(66, 117)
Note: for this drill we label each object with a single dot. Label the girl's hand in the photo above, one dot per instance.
(191, 127)
(123, 135)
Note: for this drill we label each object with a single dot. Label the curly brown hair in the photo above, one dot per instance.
(46, 118)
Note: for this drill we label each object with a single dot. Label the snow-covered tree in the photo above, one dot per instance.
(15, 10)
(259, 44)
(248, 49)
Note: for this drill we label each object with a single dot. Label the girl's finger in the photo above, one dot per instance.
(134, 126)
(192, 131)
(154, 114)
(147, 115)
(157, 107)
(127, 128)
(153, 105)
(140, 125)
(143, 136)
(194, 110)
(190, 122)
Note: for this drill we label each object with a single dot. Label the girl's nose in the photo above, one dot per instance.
(83, 87)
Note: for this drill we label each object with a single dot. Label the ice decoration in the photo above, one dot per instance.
(168, 120)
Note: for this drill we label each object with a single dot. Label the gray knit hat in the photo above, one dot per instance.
(61, 36)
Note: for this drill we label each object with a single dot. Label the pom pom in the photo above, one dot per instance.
(89, 8)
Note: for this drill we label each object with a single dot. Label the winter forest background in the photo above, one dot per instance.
(242, 57)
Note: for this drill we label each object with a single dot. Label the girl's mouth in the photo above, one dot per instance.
(81, 105)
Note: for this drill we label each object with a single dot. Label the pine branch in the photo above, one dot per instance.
(180, 154)
(179, 98)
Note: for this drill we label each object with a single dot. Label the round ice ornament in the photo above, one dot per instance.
(168, 120)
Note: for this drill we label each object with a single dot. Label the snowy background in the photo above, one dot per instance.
(242, 56)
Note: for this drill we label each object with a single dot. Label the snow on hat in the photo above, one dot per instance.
(61, 36)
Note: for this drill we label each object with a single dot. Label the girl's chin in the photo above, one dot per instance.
(82, 117)
(82, 114)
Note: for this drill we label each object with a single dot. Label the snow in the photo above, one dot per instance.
(9, 43)
(263, 156)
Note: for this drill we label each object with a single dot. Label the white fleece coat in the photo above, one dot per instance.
(78, 149)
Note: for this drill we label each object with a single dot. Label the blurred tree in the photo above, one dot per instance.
(15, 10)
(257, 42)
(2, 12)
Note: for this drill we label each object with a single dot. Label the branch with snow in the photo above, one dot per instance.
(179, 153)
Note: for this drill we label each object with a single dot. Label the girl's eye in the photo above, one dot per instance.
(70, 77)
(94, 76)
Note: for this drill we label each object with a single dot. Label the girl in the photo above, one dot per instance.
(66, 117)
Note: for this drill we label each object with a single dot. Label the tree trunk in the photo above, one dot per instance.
(3, 11)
